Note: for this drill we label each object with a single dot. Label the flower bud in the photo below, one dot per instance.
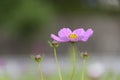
(54, 44)
(84, 55)
(38, 58)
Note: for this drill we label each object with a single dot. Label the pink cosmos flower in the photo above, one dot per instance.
(66, 35)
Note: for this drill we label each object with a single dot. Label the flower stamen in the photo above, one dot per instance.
(73, 36)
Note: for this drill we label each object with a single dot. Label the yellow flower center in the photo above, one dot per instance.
(73, 36)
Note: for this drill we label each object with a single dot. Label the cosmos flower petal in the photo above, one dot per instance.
(79, 31)
(64, 32)
(57, 38)
(84, 39)
(88, 34)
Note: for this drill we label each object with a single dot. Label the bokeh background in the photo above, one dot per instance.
(27, 24)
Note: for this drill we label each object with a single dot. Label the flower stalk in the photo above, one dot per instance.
(41, 73)
(58, 67)
(74, 61)
(54, 44)
(84, 56)
(83, 70)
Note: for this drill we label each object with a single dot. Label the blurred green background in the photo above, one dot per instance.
(27, 24)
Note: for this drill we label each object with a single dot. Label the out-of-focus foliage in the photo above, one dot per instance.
(87, 6)
(24, 17)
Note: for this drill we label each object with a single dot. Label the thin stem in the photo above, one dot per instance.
(74, 62)
(83, 69)
(41, 73)
(58, 67)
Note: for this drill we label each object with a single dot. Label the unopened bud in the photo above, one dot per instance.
(84, 55)
(54, 44)
(38, 58)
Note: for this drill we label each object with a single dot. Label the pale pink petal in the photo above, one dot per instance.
(64, 32)
(80, 33)
(88, 34)
(57, 38)
(65, 39)
(73, 40)
(84, 39)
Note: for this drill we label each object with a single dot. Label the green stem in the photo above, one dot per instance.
(83, 70)
(74, 61)
(58, 67)
(41, 73)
